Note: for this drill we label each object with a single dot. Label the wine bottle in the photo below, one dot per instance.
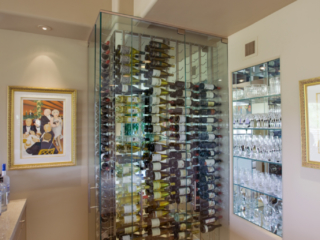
(180, 155)
(154, 119)
(180, 164)
(127, 230)
(207, 179)
(204, 103)
(158, 91)
(207, 128)
(126, 59)
(205, 112)
(183, 191)
(183, 172)
(155, 101)
(157, 166)
(183, 199)
(185, 217)
(159, 231)
(125, 119)
(179, 146)
(128, 209)
(154, 137)
(106, 55)
(180, 111)
(205, 169)
(187, 226)
(127, 220)
(125, 50)
(182, 137)
(210, 162)
(209, 228)
(159, 213)
(149, 48)
(159, 55)
(149, 58)
(207, 94)
(158, 204)
(156, 73)
(127, 99)
(208, 153)
(188, 103)
(159, 175)
(156, 82)
(127, 110)
(127, 70)
(126, 169)
(105, 73)
(157, 222)
(183, 93)
(154, 128)
(128, 90)
(160, 195)
(183, 182)
(154, 110)
(208, 136)
(156, 147)
(210, 212)
(105, 46)
(155, 63)
(129, 200)
(210, 220)
(184, 235)
(105, 64)
(209, 204)
(156, 44)
(205, 145)
(183, 128)
(206, 86)
(185, 85)
(127, 80)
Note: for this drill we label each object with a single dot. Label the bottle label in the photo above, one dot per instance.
(211, 195)
(211, 211)
(188, 84)
(157, 195)
(155, 100)
(158, 213)
(156, 185)
(125, 80)
(182, 128)
(158, 148)
(133, 119)
(133, 99)
(183, 226)
(185, 111)
(185, 155)
(210, 120)
(181, 235)
(183, 173)
(125, 69)
(132, 189)
(125, 170)
(155, 109)
(128, 230)
(126, 237)
(125, 88)
(156, 91)
(186, 93)
(211, 136)
(188, 102)
(182, 119)
(183, 199)
(156, 166)
(206, 229)
(155, 222)
(156, 232)
(211, 203)
(157, 176)
(125, 50)
(209, 128)
(209, 86)
(209, 163)
(130, 219)
(209, 94)
(129, 208)
(156, 129)
(185, 182)
(156, 73)
(156, 81)
(210, 187)
(212, 153)
(156, 157)
(184, 191)
(133, 110)
(125, 59)
(134, 139)
(180, 164)
(211, 104)
(182, 137)
(211, 169)
(210, 220)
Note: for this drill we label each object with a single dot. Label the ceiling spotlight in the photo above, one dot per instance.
(241, 80)
(220, 80)
(262, 68)
(44, 27)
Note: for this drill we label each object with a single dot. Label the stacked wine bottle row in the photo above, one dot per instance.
(165, 160)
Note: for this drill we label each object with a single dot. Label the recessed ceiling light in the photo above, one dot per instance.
(44, 27)
(220, 80)
(262, 68)
(241, 80)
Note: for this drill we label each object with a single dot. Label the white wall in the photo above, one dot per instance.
(292, 34)
(57, 197)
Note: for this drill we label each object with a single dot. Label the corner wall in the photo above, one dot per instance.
(292, 34)
(56, 197)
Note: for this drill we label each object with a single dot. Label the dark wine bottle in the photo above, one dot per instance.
(209, 120)
(209, 228)
(184, 85)
(208, 136)
(188, 103)
(105, 46)
(205, 103)
(206, 86)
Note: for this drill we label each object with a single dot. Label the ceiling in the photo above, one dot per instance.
(75, 18)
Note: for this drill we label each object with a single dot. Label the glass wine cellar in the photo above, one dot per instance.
(257, 145)
(158, 132)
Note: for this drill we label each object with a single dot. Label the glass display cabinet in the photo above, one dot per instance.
(257, 135)
(158, 132)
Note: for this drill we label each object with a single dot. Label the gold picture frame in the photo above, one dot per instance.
(45, 135)
(310, 116)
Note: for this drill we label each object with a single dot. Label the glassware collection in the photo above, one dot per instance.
(257, 146)
(158, 140)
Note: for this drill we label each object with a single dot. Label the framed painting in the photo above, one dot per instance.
(41, 127)
(310, 122)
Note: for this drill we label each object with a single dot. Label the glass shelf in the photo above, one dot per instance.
(271, 129)
(257, 160)
(269, 195)
(248, 99)
(239, 214)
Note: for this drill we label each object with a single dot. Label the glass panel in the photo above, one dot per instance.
(151, 132)
(257, 145)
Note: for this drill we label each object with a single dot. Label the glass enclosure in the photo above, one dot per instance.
(159, 147)
(257, 145)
